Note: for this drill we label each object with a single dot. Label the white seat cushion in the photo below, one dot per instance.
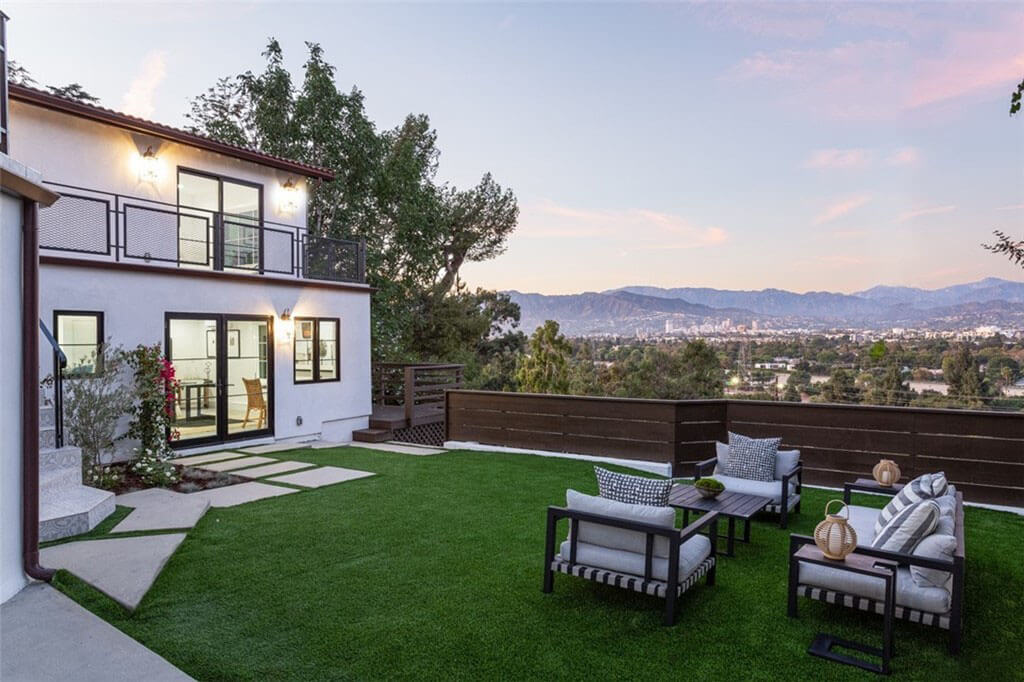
(863, 521)
(908, 593)
(770, 489)
(691, 554)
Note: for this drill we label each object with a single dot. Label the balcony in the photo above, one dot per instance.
(104, 226)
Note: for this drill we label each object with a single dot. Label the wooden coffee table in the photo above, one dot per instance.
(728, 504)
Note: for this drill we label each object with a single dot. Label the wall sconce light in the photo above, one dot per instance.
(291, 197)
(286, 323)
(149, 166)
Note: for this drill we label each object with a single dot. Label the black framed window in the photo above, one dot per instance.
(316, 349)
(80, 335)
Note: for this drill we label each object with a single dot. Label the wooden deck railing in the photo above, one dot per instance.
(982, 453)
(415, 386)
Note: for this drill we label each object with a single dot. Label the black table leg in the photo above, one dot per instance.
(732, 537)
(746, 530)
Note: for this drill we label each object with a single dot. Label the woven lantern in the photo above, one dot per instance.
(835, 536)
(886, 473)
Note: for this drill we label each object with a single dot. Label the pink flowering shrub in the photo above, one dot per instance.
(152, 414)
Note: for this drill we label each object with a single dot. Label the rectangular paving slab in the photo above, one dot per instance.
(275, 447)
(203, 459)
(122, 568)
(271, 469)
(160, 509)
(231, 495)
(315, 478)
(233, 464)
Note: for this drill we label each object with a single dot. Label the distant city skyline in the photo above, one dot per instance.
(828, 147)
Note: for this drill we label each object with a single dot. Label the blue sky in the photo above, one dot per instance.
(807, 147)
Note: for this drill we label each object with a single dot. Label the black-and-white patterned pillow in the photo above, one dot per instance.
(924, 487)
(752, 458)
(633, 489)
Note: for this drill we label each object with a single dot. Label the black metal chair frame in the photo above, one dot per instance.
(707, 468)
(675, 536)
(955, 567)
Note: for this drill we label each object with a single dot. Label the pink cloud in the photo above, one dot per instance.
(918, 212)
(840, 208)
(904, 156)
(838, 158)
(927, 55)
(1011, 207)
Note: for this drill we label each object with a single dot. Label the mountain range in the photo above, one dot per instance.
(990, 301)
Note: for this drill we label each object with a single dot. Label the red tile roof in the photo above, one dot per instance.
(116, 118)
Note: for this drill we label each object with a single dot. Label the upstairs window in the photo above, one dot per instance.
(316, 349)
(80, 334)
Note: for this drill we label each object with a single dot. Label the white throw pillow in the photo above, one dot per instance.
(935, 546)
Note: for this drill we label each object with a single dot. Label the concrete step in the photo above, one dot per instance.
(371, 435)
(71, 510)
(46, 416)
(59, 478)
(68, 457)
(47, 437)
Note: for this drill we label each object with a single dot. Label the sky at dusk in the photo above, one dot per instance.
(805, 147)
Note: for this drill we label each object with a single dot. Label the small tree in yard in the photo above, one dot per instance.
(545, 368)
(152, 415)
(93, 403)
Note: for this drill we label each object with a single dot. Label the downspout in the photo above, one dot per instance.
(30, 392)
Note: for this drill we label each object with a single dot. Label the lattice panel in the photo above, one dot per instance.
(76, 223)
(422, 434)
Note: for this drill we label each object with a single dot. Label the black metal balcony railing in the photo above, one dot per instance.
(119, 227)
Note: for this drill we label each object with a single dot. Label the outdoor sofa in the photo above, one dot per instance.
(784, 490)
(938, 602)
(632, 546)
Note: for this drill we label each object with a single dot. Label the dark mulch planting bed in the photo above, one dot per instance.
(192, 480)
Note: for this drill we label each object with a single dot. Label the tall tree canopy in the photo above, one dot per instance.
(418, 231)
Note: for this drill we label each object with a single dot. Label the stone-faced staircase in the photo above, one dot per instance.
(66, 507)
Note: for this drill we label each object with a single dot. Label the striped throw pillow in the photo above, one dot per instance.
(910, 525)
(924, 487)
(752, 458)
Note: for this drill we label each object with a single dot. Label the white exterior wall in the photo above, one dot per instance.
(75, 151)
(12, 578)
(134, 304)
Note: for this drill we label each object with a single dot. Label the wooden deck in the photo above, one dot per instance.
(392, 417)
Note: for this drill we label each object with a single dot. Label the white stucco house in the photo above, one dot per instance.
(166, 237)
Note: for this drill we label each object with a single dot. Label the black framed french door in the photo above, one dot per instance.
(225, 366)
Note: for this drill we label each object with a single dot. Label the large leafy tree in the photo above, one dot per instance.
(418, 232)
(545, 366)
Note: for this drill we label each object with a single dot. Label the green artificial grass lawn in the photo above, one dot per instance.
(432, 569)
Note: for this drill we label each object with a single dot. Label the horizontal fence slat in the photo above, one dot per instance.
(981, 453)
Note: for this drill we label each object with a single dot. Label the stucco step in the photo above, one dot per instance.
(58, 459)
(47, 437)
(46, 416)
(72, 510)
(59, 478)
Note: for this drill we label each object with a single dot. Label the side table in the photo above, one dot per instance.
(869, 485)
(855, 563)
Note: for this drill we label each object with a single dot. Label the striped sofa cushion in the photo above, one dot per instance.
(924, 487)
(655, 588)
(908, 527)
(940, 620)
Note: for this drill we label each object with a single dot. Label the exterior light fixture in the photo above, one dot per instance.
(287, 325)
(290, 198)
(149, 166)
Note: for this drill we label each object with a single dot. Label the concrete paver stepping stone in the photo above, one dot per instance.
(203, 459)
(233, 464)
(321, 476)
(403, 448)
(122, 568)
(240, 493)
(271, 469)
(274, 447)
(159, 509)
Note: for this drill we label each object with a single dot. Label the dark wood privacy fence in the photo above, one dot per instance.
(981, 452)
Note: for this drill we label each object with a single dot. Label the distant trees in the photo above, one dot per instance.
(963, 377)
(19, 75)
(840, 388)
(888, 387)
